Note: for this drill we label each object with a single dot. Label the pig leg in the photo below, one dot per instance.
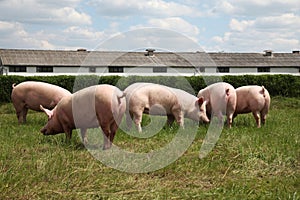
(113, 128)
(21, 114)
(234, 116)
(129, 117)
(138, 121)
(83, 136)
(179, 117)
(256, 115)
(68, 132)
(170, 120)
(24, 114)
(263, 115)
(220, 118)
(263, 118)
(229, 120)
(106, 135)
(68, 136)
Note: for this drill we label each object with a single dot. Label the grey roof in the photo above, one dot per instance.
(256, 59)
(13, 57)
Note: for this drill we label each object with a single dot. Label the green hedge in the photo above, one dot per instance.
(277, 85)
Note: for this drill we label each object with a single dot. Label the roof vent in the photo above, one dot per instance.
(268, 53)
(82, 49)
(296, 52)
(150, 52)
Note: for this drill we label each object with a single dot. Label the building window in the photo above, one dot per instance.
(223, 69)
(202, 69)
(160, 69)
(115, 69)
(17, 69)
(92, 69)
(263, 69)
(44, 69)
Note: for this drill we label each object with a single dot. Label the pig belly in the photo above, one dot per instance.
(157, 110)
(243, 110)
(86, 118)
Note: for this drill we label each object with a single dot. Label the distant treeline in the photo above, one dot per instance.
(277, 85)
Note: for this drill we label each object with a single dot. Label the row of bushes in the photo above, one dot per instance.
(277, 85)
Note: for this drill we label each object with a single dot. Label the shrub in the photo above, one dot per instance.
(277, 85)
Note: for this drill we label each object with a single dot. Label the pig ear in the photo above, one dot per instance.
(227, 91)
(201, 100)
(49, 113)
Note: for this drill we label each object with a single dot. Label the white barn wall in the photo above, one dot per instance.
(182, 70)
(210, 70)
(284, 70)
(100, 70)
(138, 70)
(243, 70)
(65, 69)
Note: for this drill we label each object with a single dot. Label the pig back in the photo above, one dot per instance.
(33, 94)
(96, 104)
(251, 98)
(220, 96)
(147, 95)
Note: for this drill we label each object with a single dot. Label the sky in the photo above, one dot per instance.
(174, 25)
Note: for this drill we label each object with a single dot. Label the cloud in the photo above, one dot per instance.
(281, 22)
(279, 33)
(256, 7)
(14, 34)
(172, 23)
(155, 8)
(69, 15)
(43, 12)
(227, 7)
(40, 23)
(240, 26)
(79, 33)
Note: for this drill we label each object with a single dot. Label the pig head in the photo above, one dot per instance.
(193, 107)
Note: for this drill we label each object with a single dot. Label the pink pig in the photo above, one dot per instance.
(30, 94)
(101, 105)
(255, 99)
(221, 100)
(162, 100)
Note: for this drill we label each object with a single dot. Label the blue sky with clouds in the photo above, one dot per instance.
(214, 25)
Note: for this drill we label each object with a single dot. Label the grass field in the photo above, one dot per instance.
(246, 163)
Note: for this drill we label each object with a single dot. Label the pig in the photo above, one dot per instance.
(221, 100)
(94, 106)
(162, 100)
(255, 99)
(30, 94)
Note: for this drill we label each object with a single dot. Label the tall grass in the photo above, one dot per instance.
(246, 163)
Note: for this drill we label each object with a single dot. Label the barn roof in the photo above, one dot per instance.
(256, 59)
(14, 57)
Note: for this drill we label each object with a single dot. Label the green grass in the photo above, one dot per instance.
(246, 163)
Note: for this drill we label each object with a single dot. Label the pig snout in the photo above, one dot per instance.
(43, 131)
(204, 119)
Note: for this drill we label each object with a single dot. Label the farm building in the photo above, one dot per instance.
(150, 62)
